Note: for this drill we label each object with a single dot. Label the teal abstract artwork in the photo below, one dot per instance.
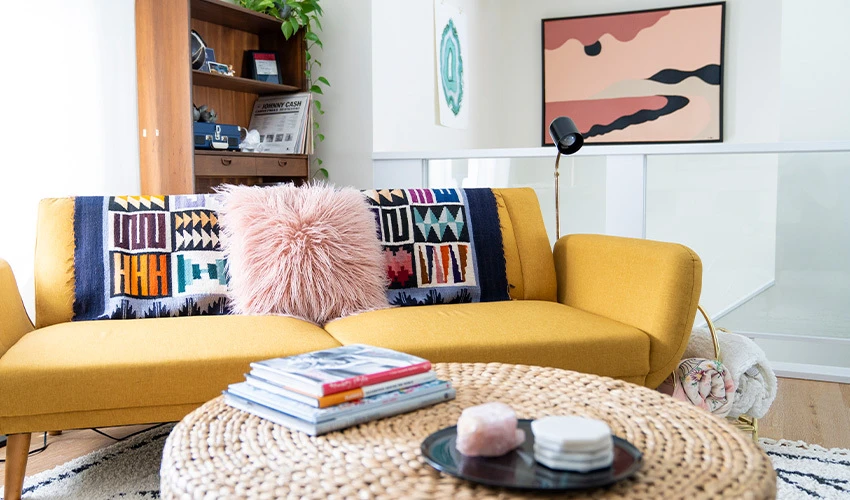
(451, 68)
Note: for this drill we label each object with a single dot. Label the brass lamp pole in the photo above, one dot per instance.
(568, 140)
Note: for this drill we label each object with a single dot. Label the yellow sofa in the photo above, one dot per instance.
(611, 306)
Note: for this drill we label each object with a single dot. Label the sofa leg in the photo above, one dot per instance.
(17, 451)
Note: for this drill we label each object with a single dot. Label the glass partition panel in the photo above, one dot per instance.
(582, 185)
(773, 232)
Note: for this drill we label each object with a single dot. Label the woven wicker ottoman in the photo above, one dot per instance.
(221, 452)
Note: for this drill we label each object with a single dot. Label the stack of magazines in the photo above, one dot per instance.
(329, 390)
(284, 123)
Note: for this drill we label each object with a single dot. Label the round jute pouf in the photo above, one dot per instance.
(221, 452)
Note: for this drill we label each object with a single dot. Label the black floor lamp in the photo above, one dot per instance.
(568, 140)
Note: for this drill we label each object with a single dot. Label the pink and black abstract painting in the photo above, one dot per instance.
(637, 77)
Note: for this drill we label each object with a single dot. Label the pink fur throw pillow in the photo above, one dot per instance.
(310, 252)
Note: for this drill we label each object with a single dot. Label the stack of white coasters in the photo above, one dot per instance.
(573, 443)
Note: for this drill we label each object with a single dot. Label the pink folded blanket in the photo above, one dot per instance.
(705, 383)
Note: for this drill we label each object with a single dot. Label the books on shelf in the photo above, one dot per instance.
(328, 390)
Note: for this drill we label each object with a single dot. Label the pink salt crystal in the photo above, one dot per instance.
(488, 430)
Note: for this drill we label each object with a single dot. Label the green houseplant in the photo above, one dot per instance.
(296, 15)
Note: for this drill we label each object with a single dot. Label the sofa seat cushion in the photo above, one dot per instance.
(522, 332)
(96, 365)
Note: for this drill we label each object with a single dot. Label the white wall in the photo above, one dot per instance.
(505, 70)
(404, 79)
(347, 64)
(751, 71)
(69, 112)
(815, 71)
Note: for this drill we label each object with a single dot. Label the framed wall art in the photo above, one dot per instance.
(652, 76)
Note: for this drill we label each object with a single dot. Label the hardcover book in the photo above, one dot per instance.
(291, 422)
(317, 415)
(330, 371)
(344, 396)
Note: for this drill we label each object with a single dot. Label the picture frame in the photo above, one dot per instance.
(209, 58)
(219, 68)
(638, 77)
(263, 66)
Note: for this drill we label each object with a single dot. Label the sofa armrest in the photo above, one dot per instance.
(14, 321)
(650, 285)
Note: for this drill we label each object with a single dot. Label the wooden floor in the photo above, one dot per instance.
(815, 412)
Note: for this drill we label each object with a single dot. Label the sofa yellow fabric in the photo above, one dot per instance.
(604, 305)
(54, 262)
(534, 254)
(14, 322)
(100, 365)
(528, 332)
(651, 285)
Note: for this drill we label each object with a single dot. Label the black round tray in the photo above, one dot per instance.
(519, 470)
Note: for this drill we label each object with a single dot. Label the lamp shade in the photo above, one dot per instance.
(565, 135)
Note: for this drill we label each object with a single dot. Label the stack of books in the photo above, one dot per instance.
(329, 390)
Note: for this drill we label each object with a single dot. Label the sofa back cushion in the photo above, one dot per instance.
(528, 254)
(529, 265)
(141, 257)
(441, 246)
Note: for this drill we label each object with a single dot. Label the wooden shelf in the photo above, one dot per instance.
(233, 16)
(239, 84)
(212, 152)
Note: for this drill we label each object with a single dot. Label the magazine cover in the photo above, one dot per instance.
(329, 371)
(316, 415)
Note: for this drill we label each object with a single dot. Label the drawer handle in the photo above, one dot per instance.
(281, 163)
(226, 161)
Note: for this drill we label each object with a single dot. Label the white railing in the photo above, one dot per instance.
(626, 149)
(625, 207)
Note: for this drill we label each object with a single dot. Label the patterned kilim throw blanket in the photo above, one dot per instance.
(147, 257)
(442, 246)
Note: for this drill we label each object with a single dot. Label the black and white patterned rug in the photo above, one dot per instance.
(125, 470)
(809, 471)
(130, 470)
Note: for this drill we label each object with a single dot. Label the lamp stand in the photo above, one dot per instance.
(557, 198)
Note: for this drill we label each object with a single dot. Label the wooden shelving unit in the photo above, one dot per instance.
(239, 84)
(168, 86)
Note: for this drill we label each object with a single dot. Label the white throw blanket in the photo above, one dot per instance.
(754, 378)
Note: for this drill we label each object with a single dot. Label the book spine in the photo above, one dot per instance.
(340, 397)
(269, 414)
(374, 378)
(385, 411)
(375, 389)
(282, 391)
(398, 384)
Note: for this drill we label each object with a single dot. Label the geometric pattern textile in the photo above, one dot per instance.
(438, 243)
(147, 257)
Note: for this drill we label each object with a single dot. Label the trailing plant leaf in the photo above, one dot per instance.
(295, 15)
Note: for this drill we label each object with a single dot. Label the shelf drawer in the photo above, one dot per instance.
(224, 165)
(282, 167)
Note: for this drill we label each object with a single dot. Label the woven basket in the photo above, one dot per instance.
(745, 423)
